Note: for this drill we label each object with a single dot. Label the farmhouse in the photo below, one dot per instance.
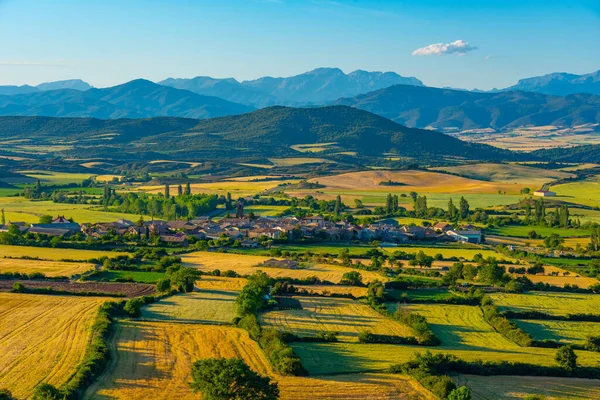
(544, 193)
(466, 236)
(443, 227)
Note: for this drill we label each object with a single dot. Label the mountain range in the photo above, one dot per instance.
(560, 84)
(316, 87)
(445, 109)
(76, 84)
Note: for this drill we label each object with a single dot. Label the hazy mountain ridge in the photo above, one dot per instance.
(560, 84)
(423, 107)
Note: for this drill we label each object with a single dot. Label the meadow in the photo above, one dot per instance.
(55, 178)
(56, 254)
(585, 192)
(549, 302)
(522, 231)
(512, 387)
(48, 268)
(247, 264)
(568, 332)
(345, 316)
(202, 307)
(43, 339)
(564, 277)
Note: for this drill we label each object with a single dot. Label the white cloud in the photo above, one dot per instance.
(459, 47)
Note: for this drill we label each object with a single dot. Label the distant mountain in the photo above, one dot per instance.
(135, 99)
(76, 84)
(425, 107)
(259, 135)
(560, 84)
(10, 90)
(316, 87)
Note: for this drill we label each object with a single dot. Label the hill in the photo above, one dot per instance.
(270, 132)
(560, 84)
(447, 109)
(76, 84)
(135, 99)
(315, 87)
(579, 154)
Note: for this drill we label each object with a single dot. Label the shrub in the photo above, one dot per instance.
(163, 285)
(45, 391)
(592, 343)
(462, 393)
(133, 307)
(18, 287)
(566, 358)
(5, 394)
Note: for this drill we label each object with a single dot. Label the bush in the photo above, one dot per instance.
(566, 358)
(18, 287)
(163, 285)
(45, 391)
(592, 343)
(133, 307)
(5, 394)
(462, 393)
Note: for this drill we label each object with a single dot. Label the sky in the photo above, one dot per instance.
(462, 43)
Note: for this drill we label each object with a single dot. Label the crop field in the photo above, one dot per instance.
(563, 277)
(551, 303)
(43, 338)
(512, 387)
(573, 332)
(106, 288)
(246, 265)
(583, 192)
(209, 282)
(136, 276)
(203, 307)
(48, 268)
(19, 209)
(265, 211)
(345, 316)
(47, 253)
(457, 251)
(56, 178)
(522, 231)
(534, 178)
(153, 361)
(459, 327)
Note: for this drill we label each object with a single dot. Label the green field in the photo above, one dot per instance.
(551, 303)
(56, 178)
(584, 192)
(137, 276)
(203, 307)
(523, 231)
(573, 332)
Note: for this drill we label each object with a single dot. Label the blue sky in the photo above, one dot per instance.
(110, 41)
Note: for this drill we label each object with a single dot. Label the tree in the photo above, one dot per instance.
(224, 379)
(452, 211)
(358, 203)
(45, 391)
(553, 241)
(46, 219)
(133, 307)
(462, 393)
(389, 204)
(5, 394)
(463, 208)
(188, 189)
(376, 292)
(595, 239)
(566, 358)
(344, 256)
(163, 285)
(490, 272)
(337, 209)
(167, 191)
(423, 260)
(352, 278)
(179, 190)
(3, 218)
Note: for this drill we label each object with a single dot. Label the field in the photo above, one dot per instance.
(43, 338)
(19, 209)
(573, 332)
(551, 303)
(46, 253)
(48, 268)
(204, 307)
(136, 276)
(337, 289)
(209, 282)
(153, 361)
(56, 178)
(109, 289)
(345, 316)
(564, 277)
(522, 231)
(246, 265)
(512, 387)
(534, 178)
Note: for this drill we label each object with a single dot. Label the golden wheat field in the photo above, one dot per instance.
(246, 265)
(571, 278)
(48, 268)
(47, 253)
(42, 339)
(153, 361)
(345, 316)
(220, 283)
(513, 387)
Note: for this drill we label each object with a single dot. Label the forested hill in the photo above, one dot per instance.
(461, 110)
(579, 154)
(265, 133)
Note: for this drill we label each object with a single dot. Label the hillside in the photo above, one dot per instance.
(135, 99)
(560, 84)
(579, 154)
(460, 110)
(315, 87)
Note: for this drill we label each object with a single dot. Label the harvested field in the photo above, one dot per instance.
(118, 289)
(48, 253)
(568, 332)
(202, 307)
(210, 282)
(562, 278)
(246, 265)
(153, 361)
(512, 387)
(345, 316)
(48, 268)
(551, 303)
(508, 173)
(42, 338)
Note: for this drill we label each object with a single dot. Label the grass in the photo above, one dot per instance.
(345, 316)
(549, 302)
(337, 289)
(522, 231)
(48, 268)
(564, 277)
(512, 387)
(24, 210)
(265, 211)
(585, 192)
(153, 361)
(136, 276)
(248, 264)
(203, 307)
(56, 178)
(568, 332)
(43, 339)
(48, 253)
(457, 251)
